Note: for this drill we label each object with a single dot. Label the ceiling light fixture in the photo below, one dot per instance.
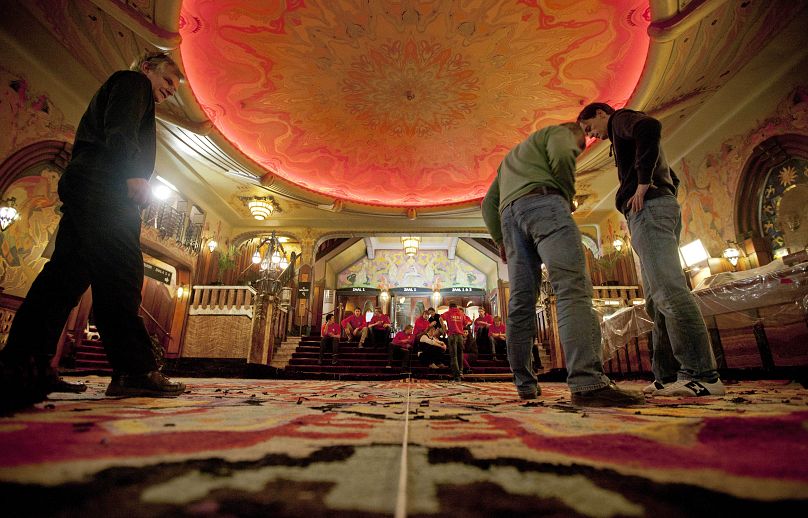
(261, 207)
(411, 245)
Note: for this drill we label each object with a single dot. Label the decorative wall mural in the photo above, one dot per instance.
(708, 188)
(393, 269)
(403, 103)
(22, 244)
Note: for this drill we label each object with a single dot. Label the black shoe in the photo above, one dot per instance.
(609, 395)
(152, 384)
(57, 384)
(530, 395)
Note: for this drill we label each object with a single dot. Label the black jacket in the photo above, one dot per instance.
(638, 156)
(116, 138)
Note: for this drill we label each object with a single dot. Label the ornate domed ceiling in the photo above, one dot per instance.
(403, 103)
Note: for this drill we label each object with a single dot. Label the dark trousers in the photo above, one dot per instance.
(97, 245)
(393, 349)
(430, 353)
(330, 342)
(380, 337)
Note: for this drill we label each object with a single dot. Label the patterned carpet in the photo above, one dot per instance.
(298, 448)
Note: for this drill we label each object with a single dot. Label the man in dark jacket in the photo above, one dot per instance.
(98, 244)
(683, 361)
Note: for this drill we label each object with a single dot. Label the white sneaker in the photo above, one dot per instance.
(433, 366)
(653, 387)
(691, 388)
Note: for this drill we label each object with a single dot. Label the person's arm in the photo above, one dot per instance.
(562, 150)
(490, 210)
(646, 132)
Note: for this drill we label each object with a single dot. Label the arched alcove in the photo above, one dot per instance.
(765, 176)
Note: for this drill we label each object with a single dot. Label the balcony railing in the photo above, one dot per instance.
(174, 225)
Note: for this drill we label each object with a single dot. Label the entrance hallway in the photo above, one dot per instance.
(314, 448)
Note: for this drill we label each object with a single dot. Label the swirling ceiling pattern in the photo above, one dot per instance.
(405, 103)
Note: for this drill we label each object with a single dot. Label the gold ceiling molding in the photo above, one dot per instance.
(673, 27)
(134, 20)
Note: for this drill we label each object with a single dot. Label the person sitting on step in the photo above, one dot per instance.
(403, 341)
(380, 327)
(482, 329)
(496, 335)
(431, 350)
(331, 335)
(355, 327)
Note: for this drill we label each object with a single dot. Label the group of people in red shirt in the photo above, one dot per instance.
(422, 340)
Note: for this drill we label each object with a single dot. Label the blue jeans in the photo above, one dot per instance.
(681, 345)
(539, 229)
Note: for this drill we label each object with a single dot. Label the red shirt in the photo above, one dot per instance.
(496, 329)
(384, 319)
(357, 322)
(455, 320)
(421, 325)
(403, 339)
(331, 329)
(481, 321)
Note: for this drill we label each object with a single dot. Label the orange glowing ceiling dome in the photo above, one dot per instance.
(375, 103)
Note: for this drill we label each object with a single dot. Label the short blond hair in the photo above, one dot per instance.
(158, 60)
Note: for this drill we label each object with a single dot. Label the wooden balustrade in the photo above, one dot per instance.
(222, 300)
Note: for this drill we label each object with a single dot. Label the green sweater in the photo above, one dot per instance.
(545, 158)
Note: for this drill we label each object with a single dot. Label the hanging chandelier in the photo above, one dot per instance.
(411, 245)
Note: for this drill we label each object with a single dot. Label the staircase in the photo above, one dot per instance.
(371, 364)
(283, 354)
(90, 355)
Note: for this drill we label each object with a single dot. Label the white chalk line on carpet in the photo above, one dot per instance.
(401, 497)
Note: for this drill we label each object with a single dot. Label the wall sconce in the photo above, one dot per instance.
(618, 244)
(181, 291)
(212, 244)
(694, 253)
(732, 253)
(8, 213)
(384, 295)
(261, 207)
(411, 245)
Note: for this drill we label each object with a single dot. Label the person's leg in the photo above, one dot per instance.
(655, 237)
(26, 376)
(115, 262)
(363, 335)
(455, 355)
(523, 267)
(323, 342)
(559, 246)
(334, 349)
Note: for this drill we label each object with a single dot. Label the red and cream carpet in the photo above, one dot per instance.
(298, 448)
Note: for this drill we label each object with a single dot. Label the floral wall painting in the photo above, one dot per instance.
(429, 269)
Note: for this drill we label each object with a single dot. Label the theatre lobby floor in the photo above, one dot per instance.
(406, 448)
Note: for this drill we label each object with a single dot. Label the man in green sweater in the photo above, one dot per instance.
(528, 212)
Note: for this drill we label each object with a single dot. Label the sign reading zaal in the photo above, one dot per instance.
(462, 290)
(157, 273)
(303, 292)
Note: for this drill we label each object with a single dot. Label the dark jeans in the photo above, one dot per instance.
(97, 245)
(330, 342)
(396, 350)
(430, 353)
(380, 337)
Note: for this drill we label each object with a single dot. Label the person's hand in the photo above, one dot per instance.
(635, 203)
(502, 254)
(137, 189)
